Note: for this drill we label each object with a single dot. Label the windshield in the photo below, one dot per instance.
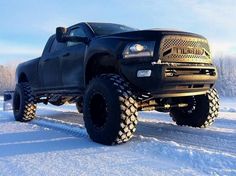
(109, 28)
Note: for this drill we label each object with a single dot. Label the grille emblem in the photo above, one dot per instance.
(188, 50)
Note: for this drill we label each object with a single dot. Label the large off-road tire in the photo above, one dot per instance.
(24, 106)
(202, 112)
(110, 110)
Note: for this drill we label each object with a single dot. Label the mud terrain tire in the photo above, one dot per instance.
(24, 106)
(203, 113)
(110, 110)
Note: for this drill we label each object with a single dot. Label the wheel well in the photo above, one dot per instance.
(23, 78)
(99, 64)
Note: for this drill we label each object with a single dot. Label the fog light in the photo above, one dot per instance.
(144, 73)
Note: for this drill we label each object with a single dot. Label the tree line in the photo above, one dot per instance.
(226, 83)
(7, 78)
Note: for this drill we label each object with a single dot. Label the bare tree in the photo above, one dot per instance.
(226, 83)
(7, 76)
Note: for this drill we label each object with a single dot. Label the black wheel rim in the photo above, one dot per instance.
(98, 110)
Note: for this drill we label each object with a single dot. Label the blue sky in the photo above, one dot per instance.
(25, 25)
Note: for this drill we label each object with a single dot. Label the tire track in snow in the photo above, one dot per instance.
(194, 137)
(208, 162)
(208, 139)
(58, 125)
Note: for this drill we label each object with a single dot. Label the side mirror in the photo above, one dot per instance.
(60, 34)
(62, 37)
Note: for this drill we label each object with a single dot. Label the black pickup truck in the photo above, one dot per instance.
(112, 71)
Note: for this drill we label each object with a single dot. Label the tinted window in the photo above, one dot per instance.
(76, 32)
(109, 28)
(56, 46)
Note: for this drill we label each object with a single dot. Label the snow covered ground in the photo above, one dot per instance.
(56, 143)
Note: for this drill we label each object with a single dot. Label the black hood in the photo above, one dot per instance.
(152, 34)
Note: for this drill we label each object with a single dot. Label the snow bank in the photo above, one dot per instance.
(228, 104)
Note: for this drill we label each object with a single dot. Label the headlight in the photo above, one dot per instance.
(139, 49)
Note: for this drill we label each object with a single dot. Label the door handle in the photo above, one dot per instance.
(66, 54)
(49, 59)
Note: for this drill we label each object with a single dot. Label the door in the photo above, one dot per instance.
(49, 66)
(72, 61)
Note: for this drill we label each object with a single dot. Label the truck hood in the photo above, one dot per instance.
(151, 34)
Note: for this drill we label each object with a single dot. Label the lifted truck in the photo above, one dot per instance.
(112, 71)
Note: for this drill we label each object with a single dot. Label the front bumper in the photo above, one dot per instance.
(170, 80)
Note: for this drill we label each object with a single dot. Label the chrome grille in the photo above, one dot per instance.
(184, 43)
